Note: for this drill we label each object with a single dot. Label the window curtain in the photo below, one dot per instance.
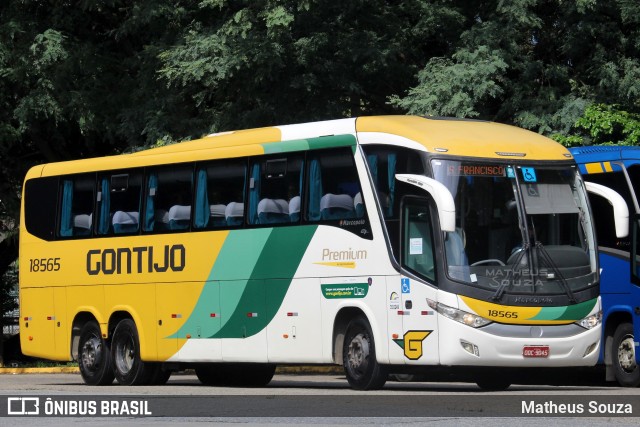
(254, 194)
(391, 176)
(105, 208)
(315, 189)
(372, 159)
(203, 211)
(150, 213)
(66, 219)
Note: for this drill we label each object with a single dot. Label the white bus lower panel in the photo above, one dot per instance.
(463, 345)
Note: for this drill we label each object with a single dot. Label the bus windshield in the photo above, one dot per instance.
(519, 229)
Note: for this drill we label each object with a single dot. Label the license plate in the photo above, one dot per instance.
(535, 351)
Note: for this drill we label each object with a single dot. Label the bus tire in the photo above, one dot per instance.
(159, 375)
(211, 374)
(623, 355)
(94, 356)
(129, 369)
(359, 357)
(255, 374)
(492, 383)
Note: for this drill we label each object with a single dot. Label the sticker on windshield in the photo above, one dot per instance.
(415, 246)
(529, 175)
(510, 172)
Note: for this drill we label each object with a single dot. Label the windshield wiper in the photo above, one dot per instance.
(547, 258)
(516, 270)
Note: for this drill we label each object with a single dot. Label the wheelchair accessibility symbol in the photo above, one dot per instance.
(529, 175)
(406, 286)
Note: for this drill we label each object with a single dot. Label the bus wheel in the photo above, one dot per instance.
(159, 375)
(94, 357)
(211, 374)
(255, 375)
(125, 352)
(624, 356)
(487, 383)
(359, 355)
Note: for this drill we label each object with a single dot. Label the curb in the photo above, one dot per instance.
(285, 370)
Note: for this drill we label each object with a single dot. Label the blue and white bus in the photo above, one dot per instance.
(619, 169)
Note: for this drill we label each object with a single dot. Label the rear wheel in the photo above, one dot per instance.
(256, 375)
(211, 374)
(159, 375)
(492, 383)
(125, 351)
(359, 357)
(624, 356)
(94, 357)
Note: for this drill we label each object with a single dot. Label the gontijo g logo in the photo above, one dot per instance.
(411, 342)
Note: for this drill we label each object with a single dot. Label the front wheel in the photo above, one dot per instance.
(94, 357)
(359, 357)
(125, 351)
(624, 356)
(493, 384)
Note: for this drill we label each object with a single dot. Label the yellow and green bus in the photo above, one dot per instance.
(383, 244)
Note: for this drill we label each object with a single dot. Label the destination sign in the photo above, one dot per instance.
(476, 170)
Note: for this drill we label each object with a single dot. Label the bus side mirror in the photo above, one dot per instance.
(620, 209)
(441, 195)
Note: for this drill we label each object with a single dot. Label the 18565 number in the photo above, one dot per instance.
(40, 265)
(505, 314)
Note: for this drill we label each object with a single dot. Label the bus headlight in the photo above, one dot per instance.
(592, 321)
(458, 315)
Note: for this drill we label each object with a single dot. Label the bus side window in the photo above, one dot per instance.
(384, 163)
(40, 204)
(219, 200)
(333, 187)
(76, 205)
(168, 198)
(417, 239)
(118, 203)
(275, 190)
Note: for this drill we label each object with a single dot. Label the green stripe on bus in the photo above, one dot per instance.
(332, 141)
(270, 280)
(246, 303)
(309, 144)
(571, 312)
(239, 253)
(286, 146)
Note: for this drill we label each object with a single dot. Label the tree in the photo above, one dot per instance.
(537, 64)
(603, 125)
(265, 62)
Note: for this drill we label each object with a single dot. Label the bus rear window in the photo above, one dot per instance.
(40, 201)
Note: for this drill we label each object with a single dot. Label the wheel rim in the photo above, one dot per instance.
(358, 355)
(125, 355)
(92, 354)
(627, 354)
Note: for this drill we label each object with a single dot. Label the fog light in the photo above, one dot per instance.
(590, 349)
(470, 348)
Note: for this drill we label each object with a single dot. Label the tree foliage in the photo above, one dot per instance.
(541, 63)
(603, 125)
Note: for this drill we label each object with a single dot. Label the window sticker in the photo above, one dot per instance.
(529, 175)
(415, 246)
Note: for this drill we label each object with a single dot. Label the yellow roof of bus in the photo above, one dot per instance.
(454, 137)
